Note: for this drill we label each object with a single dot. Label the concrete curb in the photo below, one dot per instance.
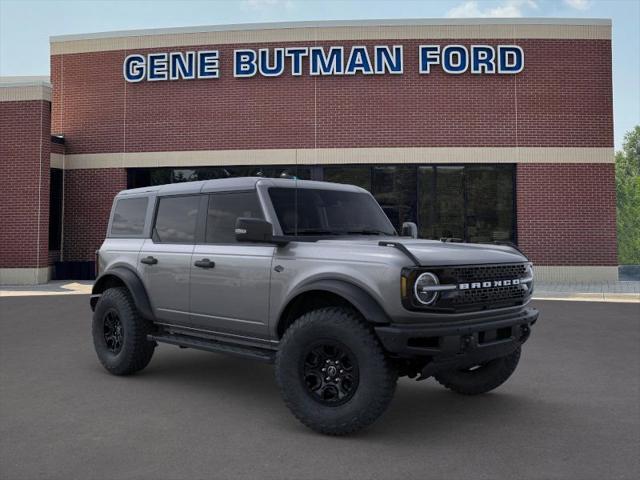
(590, 297)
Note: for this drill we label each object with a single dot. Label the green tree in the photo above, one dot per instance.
(628, 198)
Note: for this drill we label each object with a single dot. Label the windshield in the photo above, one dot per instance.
(307, 211)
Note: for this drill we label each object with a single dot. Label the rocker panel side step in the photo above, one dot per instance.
(262, 355)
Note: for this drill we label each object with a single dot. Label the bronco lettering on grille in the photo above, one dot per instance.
(488, 284)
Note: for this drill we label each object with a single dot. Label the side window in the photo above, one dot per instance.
(224, 209)
(176, 219)
(128, 217)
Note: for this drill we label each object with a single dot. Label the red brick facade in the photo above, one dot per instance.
(88, 196)
(562, 98)
(24, 196)
(567, 213)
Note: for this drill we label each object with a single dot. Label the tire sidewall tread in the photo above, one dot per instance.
(377, 381)
(136, 351)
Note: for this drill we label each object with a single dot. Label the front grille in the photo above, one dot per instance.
(489, 295)
(482, 298)
(485, 272)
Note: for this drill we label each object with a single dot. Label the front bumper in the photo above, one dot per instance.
(461, 344)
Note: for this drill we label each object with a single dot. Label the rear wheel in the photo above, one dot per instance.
(332, 372)
(480, 378)
(120, 333)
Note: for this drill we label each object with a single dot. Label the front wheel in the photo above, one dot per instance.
(332, 372)
(480, 378)
(120, 333)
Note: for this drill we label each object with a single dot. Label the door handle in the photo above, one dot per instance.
(149, 260)
(204, 263)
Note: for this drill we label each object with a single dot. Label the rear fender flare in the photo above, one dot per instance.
(133, 283)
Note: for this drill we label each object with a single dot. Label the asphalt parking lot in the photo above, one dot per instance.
(572, 410)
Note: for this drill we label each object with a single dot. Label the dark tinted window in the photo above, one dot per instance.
(394, 187)
(176, 219)
(328, 212)
(224, 209)
(143, 177)
(351, 175)
(128, 217)
(490, 214)
(55, 209)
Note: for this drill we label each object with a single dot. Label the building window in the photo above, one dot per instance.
(144, 177)
(474, 203)
(55, 209)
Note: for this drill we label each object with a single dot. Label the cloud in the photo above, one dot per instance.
(578, 4)
(507, 8)
(266, 4)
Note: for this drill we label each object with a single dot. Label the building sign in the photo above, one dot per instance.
(324, 61)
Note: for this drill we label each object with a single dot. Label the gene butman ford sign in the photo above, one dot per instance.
(327, 61)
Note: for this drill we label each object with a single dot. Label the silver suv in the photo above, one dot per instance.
(313, 277)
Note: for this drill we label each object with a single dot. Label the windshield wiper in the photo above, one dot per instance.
(368, 232)
(314, 231)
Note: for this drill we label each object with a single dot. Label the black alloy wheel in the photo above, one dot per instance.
(330, 373)
(113, 331)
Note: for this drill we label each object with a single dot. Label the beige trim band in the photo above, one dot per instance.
(24, 276)
(432, 29)
(570, 274)
(23, 93)
(338, 156)
(57, 160)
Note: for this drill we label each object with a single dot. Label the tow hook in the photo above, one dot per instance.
(467, 342)
(526, 331)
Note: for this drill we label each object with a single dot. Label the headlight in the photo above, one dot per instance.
(423, 288)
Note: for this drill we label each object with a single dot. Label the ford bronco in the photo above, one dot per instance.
(313, 277)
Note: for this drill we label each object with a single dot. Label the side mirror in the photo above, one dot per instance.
(256, 230)
(409, 229)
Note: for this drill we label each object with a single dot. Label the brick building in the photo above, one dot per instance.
(484, 130)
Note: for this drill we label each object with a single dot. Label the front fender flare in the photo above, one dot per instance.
(357, 296)
(133, 283)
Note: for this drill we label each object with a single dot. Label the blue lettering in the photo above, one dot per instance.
(429, 55)
(510, 59)
(182, 65)
(244, 63)
(296, 55)
(157, 67)
(483, 59)
(208, 64)
(359, 61)
(277, 68)
(455, 59)
(385, 61)
(331, 64)
(133, 68)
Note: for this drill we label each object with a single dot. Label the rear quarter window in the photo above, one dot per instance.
(128, 217)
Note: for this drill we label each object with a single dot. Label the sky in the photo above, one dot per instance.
(25, 26)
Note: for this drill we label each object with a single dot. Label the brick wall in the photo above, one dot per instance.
(567, 213)
(24, 196)
(88, 196)
(562, 98)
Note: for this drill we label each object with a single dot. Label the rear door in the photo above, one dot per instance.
(165, 258)
(230, 280)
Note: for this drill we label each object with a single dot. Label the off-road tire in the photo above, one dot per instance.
(483, 379)
(136, 351)
(377, 377)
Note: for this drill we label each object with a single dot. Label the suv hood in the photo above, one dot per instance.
(437, 253)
